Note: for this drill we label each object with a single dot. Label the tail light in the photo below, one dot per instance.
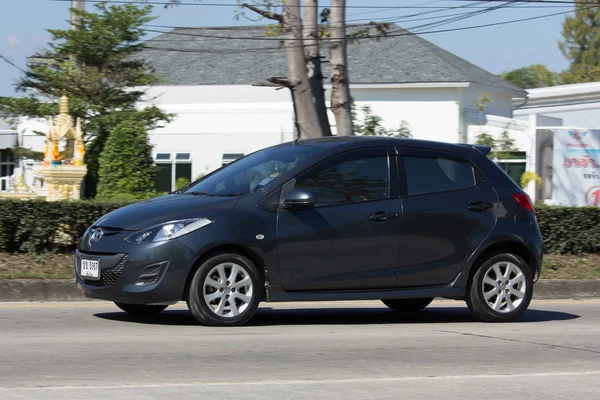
(524, 201)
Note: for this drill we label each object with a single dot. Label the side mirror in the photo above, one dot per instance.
(299, 199)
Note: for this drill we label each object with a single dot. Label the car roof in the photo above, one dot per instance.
(340, 143)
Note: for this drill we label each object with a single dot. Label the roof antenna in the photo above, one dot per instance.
(296, 140)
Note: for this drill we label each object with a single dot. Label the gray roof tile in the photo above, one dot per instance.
(197, 57)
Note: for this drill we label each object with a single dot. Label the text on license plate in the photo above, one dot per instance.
(90, 269)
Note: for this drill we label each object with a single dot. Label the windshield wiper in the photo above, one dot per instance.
(202, 194)
(215, 194)
(231, 194)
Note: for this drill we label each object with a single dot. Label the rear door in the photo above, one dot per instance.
(448, 212)
(351, 238)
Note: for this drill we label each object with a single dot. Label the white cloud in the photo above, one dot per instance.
(11, 40)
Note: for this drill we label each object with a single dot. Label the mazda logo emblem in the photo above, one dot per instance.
(96, 234)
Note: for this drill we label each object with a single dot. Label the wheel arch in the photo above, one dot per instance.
(223, 249)
(506, 246)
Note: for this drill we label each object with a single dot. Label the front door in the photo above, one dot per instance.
(448, 212)
(350, 239)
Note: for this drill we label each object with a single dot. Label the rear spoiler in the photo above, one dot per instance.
(483, 149)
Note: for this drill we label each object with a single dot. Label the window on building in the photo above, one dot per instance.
(363, 179)
(514, 164)
(163, 156)
(169, 168)
(7, 168)
(228, 158)
(430, 175)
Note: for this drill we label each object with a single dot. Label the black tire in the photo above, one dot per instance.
(141, 310)
(208, 315)
(480, 307)
(407, 305)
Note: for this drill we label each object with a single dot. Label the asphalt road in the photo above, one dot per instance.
(300, 351)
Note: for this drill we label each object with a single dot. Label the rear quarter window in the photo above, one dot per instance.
(437, 174)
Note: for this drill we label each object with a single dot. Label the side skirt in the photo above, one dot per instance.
(455, 290)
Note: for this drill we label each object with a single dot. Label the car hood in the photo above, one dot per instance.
(164, 209)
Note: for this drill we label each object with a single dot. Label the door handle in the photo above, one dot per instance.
(479, 206)
(381, 216)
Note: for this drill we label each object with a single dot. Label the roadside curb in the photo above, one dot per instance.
(14, 290)
(551, 289)
(40, 290)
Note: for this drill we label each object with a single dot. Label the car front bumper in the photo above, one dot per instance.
(138, 274)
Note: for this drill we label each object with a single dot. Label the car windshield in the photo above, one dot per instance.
(254, 171)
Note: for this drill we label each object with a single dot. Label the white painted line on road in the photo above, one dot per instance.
(309, 381)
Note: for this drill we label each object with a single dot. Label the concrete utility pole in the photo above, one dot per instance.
(75, 19)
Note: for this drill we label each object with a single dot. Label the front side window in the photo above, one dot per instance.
(437, 174)
(363, 179)
(254, 171)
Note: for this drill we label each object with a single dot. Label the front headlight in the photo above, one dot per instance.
(167, 231)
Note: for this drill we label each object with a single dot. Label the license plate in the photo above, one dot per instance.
(90, 269)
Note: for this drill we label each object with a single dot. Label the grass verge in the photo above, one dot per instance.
(60, 266)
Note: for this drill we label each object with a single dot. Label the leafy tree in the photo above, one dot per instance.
(481, 103)
(503, 148)
(533, 76)
(581, 43)
(96, 66)
(126, 164)
(371, 124)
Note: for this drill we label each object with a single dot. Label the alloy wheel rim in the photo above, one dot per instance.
(227, 290)
(504, 287)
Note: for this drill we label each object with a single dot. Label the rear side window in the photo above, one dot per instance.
(437, 174)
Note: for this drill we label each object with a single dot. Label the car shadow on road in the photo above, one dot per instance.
(266, 316)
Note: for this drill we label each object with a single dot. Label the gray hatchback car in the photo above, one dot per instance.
(398, 220)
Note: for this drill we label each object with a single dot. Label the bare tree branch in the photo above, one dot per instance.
(264, 13)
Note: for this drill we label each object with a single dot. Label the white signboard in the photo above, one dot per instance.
(576, 168)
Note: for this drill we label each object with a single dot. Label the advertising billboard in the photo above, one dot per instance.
(576, 167)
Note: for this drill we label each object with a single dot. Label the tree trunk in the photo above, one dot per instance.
(313, 62)
(340, 94)
(308, 123)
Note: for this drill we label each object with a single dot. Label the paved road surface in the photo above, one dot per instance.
(300, 351)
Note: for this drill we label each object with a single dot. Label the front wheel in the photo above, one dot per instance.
(407, 305)
(225, 291)
(501, 289)
(141, 310)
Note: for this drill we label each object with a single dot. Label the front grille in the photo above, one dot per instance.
(109, 276)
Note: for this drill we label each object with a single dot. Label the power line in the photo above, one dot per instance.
(6, 60)
(404, 33)
(388, 9)
(280, 39)
(576, 2)
(236, 5)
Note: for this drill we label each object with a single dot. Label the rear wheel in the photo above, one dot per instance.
(225, 291)
(501, 289)
(141, 310)
(407, 305)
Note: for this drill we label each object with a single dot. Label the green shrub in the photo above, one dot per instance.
(182, 182)
(570, 230)
(126, 165)
(38, 226)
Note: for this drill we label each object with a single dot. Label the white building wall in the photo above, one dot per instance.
(213, 120)
(501, 104)
(577, 105)
(432, 113)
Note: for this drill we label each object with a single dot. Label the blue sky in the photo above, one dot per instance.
(497, 49)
